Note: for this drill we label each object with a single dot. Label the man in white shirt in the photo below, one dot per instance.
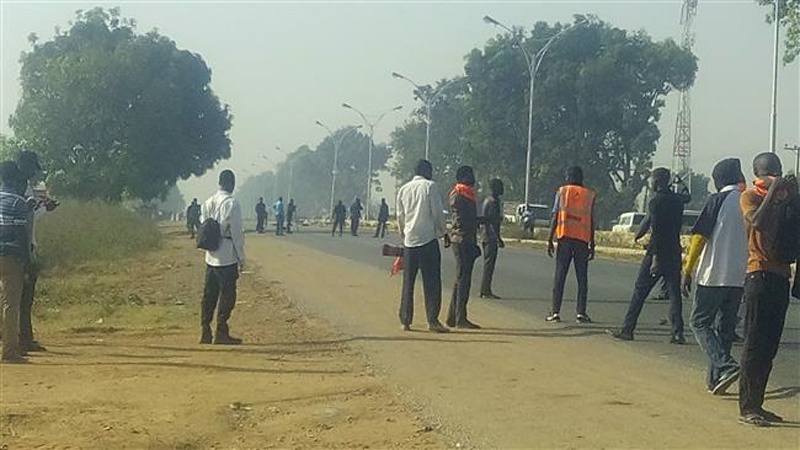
(719, 245)
(420, 216)
(222, 264)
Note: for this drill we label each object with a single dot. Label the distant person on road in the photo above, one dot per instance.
(490, 238)
(663, 258)
(40, 202)
(223, 264)
(719, 245)
(291, 210)
(573, 226)
(355, 216)
(383, 217)
(261, 215)
(339, 216)
(772, 223)
(464, 242)
(420, 219)
(279, 217)
(193, 218)
(15, 252)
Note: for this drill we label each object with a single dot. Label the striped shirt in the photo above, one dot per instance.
(14, 217)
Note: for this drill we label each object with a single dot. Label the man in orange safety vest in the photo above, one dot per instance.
(573, 227)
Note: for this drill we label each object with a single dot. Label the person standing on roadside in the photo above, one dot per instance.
(355, 216)
(771, 222)
(28, 164)
(490, 238)
(279, 217)
(573, 226)
(663, 258)
(291, 209)
(261, 215)
(339, 216)
(464, 242)
(224, 263)
(193, 218)
(719, 245)
(383, 217)
(420, 219)
(15, 250)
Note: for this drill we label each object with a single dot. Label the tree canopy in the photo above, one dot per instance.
(117, 114)
(597, 98)
(790, 20)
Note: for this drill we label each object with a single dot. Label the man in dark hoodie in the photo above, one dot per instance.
(719, 245)
(491, 239)
(464, 240)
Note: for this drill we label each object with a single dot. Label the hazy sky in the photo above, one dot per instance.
(283, 65)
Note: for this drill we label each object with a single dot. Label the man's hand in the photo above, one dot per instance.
(591, 251)
(654, 267)
(551, 248)
(446, 241)
(50, 204)
(241, 265)
(686, 284)
(501, 244)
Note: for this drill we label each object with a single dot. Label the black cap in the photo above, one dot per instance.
(29, 158)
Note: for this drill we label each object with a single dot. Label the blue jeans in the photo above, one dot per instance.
(716, 337)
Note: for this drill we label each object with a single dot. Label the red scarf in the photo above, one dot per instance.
(762, 185)
(465, 190)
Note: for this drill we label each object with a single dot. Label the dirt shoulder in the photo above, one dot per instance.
(124, 369)
(518, 384)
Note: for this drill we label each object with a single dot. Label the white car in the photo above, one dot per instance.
(628, 222)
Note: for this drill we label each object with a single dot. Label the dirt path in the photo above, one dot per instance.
(124, 370)
(520, 384)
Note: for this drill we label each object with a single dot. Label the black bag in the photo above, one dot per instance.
(787, 242)
(209, 235)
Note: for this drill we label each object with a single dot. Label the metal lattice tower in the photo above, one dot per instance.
(682, 147)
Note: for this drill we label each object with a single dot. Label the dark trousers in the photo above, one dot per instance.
(30, 277)
(670, 269)
(220, 289)
(354, 222)
(337, 223)
(428, 260)
(380, 231)
(289, 221)
(466, 253)
(489, 261)
(260, 224)
(713, 323)
(766, 299)
(575, 252)
(193, 227)
(278, 225)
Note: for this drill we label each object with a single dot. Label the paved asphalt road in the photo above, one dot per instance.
(524, 280)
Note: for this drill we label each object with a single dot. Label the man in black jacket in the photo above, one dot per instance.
(383, 217)
(491, 239)
(663, 258)
(464, 240)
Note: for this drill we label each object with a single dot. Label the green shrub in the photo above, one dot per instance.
(78, 232)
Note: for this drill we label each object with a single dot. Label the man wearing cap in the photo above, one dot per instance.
(28, 163)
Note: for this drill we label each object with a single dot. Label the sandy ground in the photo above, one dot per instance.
(518, 384)
(130, 374)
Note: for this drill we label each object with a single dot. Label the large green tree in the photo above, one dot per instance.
(790, 20)
(597, 99)
(118, 114)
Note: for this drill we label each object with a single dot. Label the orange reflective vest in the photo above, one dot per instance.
(574, 215)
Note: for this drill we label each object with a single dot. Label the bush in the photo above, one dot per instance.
(78, 232)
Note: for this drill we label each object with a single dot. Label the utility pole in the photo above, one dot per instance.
(682, 146)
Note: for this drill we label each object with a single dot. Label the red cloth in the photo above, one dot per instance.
(397, 266)
(465, 190)
(762, 185)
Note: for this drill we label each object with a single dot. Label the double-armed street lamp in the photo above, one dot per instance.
(336, 144)
(533, 61)
(371, 127)
(428, 98)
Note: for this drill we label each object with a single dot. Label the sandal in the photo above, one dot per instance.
(770, 416)
(754, 419)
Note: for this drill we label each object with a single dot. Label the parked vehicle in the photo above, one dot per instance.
(628, 222)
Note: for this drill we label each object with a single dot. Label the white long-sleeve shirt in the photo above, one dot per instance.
(420, 212)
(226, 210)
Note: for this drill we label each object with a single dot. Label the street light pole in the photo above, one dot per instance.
(533, 61)
(291, 171)
(371, 126)
(428, 101)
(336, 144)
(773, 118)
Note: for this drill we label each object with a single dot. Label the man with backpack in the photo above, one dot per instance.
(222, 237)
(771, 222)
